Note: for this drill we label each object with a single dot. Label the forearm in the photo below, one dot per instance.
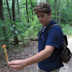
(20, 64)
(38, 57)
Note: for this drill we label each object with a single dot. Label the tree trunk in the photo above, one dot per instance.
(67, 3)
(8, 10)
(3, 19)
(47, 1)
(13, 13)
(32, 9)
(56, 9)
(13, 9)
(1, 11)
(11, 21)
(59, 11)
(40, 0)
(18, 9)
(36, 2)
(27, 11)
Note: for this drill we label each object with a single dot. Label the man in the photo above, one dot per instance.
(49, 42)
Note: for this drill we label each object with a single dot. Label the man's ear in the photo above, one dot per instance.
(49, 13)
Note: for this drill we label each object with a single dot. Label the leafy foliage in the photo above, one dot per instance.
(25, 29)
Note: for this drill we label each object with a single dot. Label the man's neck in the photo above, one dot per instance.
(48, 23)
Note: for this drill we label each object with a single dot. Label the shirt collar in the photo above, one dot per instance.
(50, 24)
(47, 27)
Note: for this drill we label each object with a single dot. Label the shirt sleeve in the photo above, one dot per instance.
(55, 37)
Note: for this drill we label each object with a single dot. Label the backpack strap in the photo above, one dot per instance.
(64, 36)
(53, 25)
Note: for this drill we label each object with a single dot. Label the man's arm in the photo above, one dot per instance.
(41, 55)
(20, 64)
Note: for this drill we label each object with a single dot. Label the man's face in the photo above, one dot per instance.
(43, 18)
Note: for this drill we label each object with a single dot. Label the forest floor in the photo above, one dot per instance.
(24, 52)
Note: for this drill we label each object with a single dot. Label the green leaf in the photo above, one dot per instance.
(11, 28)
(16, 32)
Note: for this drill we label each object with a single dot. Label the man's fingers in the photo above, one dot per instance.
(12, 66)
(13, 63)
(15, 67)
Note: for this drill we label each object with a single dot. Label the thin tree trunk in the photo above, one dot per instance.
(47, 1)
(3, 19)
(27, 11)
(40, 0)
(32, 15)
(18, 9)
(13, 13)
(36, 2)
(10, 16)
(56, 9)
(43, 0)
(32, 9)
(13, 9)
(59, 11)
(67, 3)
(8, 10)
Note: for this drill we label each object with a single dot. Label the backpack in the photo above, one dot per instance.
(64, 51)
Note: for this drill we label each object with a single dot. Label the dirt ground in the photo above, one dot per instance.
(24, 53)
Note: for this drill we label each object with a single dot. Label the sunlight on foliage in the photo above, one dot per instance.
(21, 28)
